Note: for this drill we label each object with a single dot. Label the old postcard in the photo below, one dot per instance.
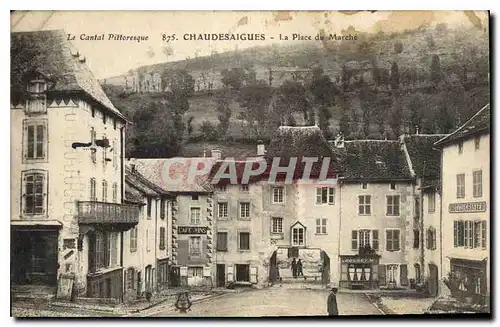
(250, 164)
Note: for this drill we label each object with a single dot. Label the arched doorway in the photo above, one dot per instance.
(325, 268)
(433, 280)
(273, 268)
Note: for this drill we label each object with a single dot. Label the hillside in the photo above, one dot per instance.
(463, 86)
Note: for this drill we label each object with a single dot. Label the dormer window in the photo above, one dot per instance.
(37, 100)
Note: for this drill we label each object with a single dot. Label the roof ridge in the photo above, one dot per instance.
(463, 125)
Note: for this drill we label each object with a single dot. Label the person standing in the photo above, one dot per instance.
(300, 272)
(332, 303)
(294, 268)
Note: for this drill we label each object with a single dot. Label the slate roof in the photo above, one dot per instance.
(155, 170)
(51, 54)
(135, 180)
(479, 123)
(301, 141)
(373, 160)
(421, 151)
(235, 150)
(133, 197)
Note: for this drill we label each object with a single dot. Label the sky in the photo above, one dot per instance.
(111, 58)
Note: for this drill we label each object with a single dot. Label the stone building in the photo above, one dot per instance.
(146, 249)
(465, 176)
(192, 229)
(68, 216)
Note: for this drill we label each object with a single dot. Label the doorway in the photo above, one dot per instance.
(274, 273)
(433, 280)
(242, 273)
(148, 278)
(221, 275)
(175, 279)
(325, 268)
(34, 257)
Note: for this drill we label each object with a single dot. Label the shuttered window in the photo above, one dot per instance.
(222, 241)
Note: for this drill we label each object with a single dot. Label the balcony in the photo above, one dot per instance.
(103, 213)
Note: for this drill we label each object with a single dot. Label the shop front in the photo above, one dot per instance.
(359, 272)
(469, 280)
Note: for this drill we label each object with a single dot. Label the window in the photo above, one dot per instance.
(222, 210)
(460, 186)
(195, 246)
(114, 124)
(162, 208)
(93, 194)
(104, 153)
(149, 206)
(325, 195)
(104, 191)
(244, 241)
(364, 238)
(458, 233)
(460, 147)
(130, 278)
(432, 202)
(364, 204)
(431, 238)
(37, 101)
(93, 112)
(277, 225)
(222, 188)
(477, 142)
(194, 197)
(115, 193)
(162, 238)
(242, 273)
(245, 210)
(418, 274)
(416, 216)
(393, 186)
(416, 239)
(104, 118)
(468, 234)
(364, 186)
(278, 194)
(196, 272)
(133, 239)
(392, 240)
(195, 215)
(113, 249)
(104, 250)
(298, 236)
(393, 205)
(35, 140)
(244, 188)
(477, 183)
(391, 274)
(34, 192)
(321, 226)
(222, 241)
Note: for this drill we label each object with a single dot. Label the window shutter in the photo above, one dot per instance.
(318, 226)
(318, 195)
(354, 240)
(404, 275)
(388, 238)
(483, 234)
(230, 273)
(455, 233)
(253, 274)
(375, 239)
(381, 274)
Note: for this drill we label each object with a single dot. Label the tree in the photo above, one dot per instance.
(346, 76)
(384, 76)
(223, 113)
(435, 70)
(190, 125)
(180, 89)
(416, 111)
(375, 73)
(292, 97)
(208, 130)
(398, 47)
(396, 119)
(444, 120)
(323, 91)
(255, 99)
(394, 78)
(235, 78)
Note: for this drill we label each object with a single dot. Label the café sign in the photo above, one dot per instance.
(467, 207)
(191, 230)
(358, 260)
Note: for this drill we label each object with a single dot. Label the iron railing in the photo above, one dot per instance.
(93, 212)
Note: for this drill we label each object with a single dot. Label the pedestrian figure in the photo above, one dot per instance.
(332, 303)
(299, 268)
(294, 268)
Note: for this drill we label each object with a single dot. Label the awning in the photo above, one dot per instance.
(35, 224)
(463, 256)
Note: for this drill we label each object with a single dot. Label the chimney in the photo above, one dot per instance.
(217, 154)
(261, 148)
(81, 59)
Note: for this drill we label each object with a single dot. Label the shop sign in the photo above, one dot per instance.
(191, 230)
(467, 207)
(358, 260)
